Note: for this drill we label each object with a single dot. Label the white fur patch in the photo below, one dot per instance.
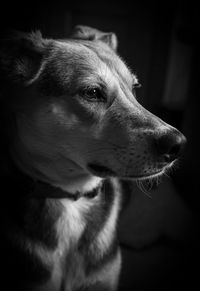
(105, 237)
(72, 223)
(69, 229)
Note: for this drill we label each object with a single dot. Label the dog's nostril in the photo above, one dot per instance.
(170, 145)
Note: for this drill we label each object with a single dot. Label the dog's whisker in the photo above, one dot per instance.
(158, 180)
(165, 173)
(143, 189)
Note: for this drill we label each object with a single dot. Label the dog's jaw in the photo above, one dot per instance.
(80, 181)
(83, 184)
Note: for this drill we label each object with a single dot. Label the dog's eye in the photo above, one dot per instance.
(92, 94)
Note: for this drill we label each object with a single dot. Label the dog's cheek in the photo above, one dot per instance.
(61, 117)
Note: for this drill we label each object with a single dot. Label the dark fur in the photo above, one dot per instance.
(29, 210)
(36, 218)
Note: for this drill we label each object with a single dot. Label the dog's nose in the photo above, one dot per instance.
(170, 145)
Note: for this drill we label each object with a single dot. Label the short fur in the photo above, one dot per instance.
(72, 127)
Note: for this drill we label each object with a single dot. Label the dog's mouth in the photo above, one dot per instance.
(145, 176)
(100, 171)
(104, 172)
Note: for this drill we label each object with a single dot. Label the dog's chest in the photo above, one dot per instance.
(85, 232)
(66, 261)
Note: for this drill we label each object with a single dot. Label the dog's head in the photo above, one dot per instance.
(75, 111)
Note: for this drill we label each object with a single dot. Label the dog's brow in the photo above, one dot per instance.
(128, 77)
(125, 73)
(114, 62)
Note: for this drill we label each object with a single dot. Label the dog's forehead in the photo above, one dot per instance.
(112, 60)
(94, 57)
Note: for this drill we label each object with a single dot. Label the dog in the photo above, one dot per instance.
(72, 130)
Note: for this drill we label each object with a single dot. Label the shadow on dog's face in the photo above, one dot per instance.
(75, 110)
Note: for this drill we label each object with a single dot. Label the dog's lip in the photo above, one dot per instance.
(103, 172)
(161, 169)
(144, 177)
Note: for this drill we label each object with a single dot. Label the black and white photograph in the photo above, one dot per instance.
(99, 145)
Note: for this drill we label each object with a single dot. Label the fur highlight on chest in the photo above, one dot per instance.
(77, 240)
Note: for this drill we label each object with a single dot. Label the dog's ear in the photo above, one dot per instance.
(88, 33)
(21, 56)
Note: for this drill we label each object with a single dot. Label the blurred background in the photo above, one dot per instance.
(159, 41)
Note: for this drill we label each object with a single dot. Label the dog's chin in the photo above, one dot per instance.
(100, 170)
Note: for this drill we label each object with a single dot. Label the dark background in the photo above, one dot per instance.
(159, 41)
